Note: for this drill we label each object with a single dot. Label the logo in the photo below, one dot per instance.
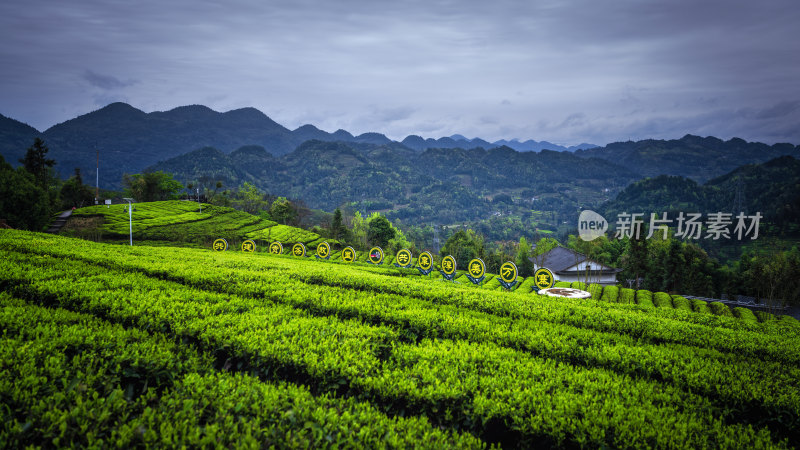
(403, 258)
(323, 250)
(376, 255)
(276, 248)
(508, 272)
(477, 268)
(544, 279)
(348, 254)
(425, 261)
(299, 250)
(220, 245)
(448, 265)
(591, 225)
(249, 246)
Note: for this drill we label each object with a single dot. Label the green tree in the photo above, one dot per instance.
(359, 231)
(74, 193)
(250, 199)
(380, 231)
(338, 230)
(151, 186)
(543, 246)
(24, 204)
(523, 259)
(37, 163)
(464, 245)
(282, 211)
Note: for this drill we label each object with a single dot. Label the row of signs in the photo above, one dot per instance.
(476, 269)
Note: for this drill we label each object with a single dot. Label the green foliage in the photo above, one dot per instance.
(217, 349)
(250, 199)
(74, 193)
(562, 284)
(151, 186)
(644, 298)
(610, 294)
(282, 211)
(627, 296)
(744, 314)
(596, 290)
(24, 204)
(380, 231)
(720, 309)
(523, 260)
(700, 306)
(37, 163)
(662, 300)
(464, 245)
(681, 303)
(578, 285)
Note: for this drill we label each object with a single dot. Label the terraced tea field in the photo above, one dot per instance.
(110, 345)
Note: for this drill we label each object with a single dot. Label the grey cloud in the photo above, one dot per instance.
(106, 82)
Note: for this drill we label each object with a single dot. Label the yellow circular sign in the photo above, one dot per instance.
(403, 257)
(348, 254)
(299, 249)
(477, 268)
(276, 248)
(323, 250)
(449, 265)
(220, 245)
(508, 272)
(425, 261)
(544, 279)
(249, 246)
(376, 255)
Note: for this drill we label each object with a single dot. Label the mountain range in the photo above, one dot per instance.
(129, 140)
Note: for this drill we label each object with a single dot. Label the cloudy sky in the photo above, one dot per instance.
(566, 71)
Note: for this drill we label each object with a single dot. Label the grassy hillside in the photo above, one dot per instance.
(154, 346)
(171, 222)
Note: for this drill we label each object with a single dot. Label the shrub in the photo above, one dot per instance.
(764, 316)
(596, 290)
(644, 297)
(610, 294)
(662, 300)
(578, 285)
(682, 303)
(700, 306)
(744, 314)
(627, 296)
(562, 284)
(720, 309)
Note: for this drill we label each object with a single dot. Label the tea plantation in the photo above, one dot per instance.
(117, 346)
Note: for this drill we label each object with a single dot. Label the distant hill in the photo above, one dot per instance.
(15, 138)
(771, 188)
(695, 157)
(443, 185)
(129, 140)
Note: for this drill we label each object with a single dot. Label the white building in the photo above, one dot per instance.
(568, 265)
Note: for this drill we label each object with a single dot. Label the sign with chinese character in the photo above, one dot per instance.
(299, 250)
(425, 261)
(403, 258)
(249, 246)
(543, 279)
(448, 267)
(476, 271)
(348, 254)
(220, 245)
(376, 255)
(276, 248)
(508, 274)
(323, 251)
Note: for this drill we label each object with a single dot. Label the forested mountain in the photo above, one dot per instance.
(444, 185)
(15, 137)
(129, 140)
(695, 157)
(771, 188)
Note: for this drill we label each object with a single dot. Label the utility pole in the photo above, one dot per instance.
(97, 180)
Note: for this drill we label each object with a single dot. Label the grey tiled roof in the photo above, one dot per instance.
(562, 258)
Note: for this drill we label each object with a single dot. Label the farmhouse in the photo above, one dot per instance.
(569, 265)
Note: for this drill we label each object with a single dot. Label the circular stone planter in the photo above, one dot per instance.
(565, 292)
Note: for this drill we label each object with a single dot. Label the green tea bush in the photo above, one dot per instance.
(662, 300)
(610, 294)
(644, 298)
